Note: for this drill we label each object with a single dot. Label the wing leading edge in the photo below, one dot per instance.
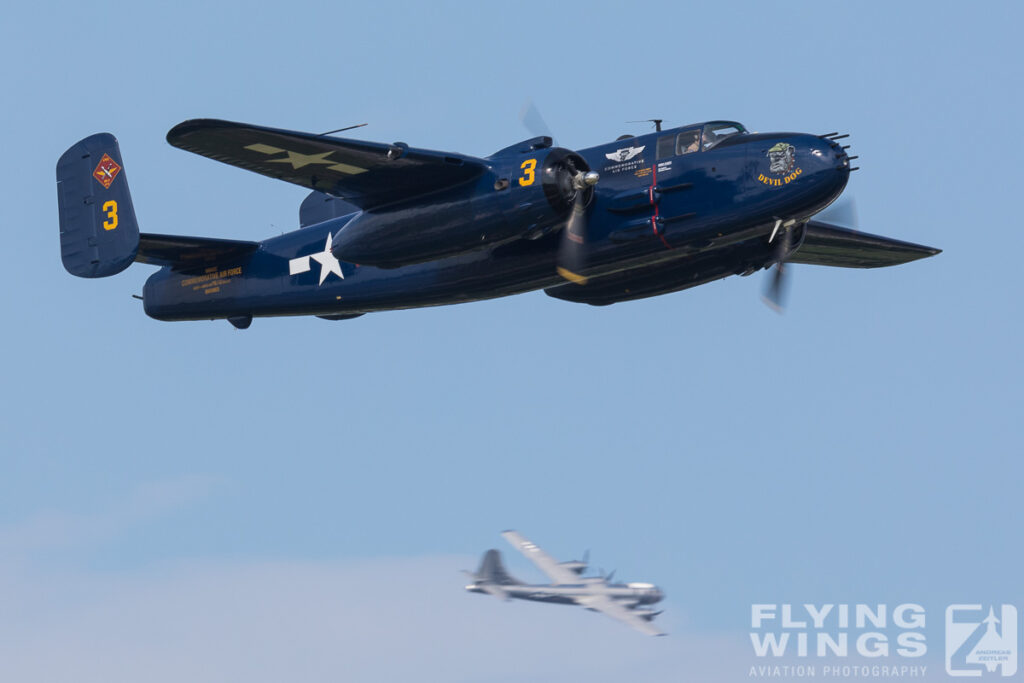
(830, 245)
(616, 610)
(547, 564)
(366, 174)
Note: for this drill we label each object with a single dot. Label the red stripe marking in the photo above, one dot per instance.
(654, 218)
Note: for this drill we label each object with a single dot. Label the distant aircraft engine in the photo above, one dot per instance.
(528, 192)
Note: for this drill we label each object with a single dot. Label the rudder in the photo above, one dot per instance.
(492, 569)
(99, 235)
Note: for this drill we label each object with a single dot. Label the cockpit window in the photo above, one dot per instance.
(688, 141)
(716, 132)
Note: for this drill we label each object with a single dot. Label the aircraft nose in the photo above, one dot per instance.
(826, 166)
(835, 145)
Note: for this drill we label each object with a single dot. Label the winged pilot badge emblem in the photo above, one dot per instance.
(624, 153)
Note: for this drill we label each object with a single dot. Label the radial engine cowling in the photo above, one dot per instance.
(526, 193)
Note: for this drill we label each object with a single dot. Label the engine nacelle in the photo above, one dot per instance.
(527, 191)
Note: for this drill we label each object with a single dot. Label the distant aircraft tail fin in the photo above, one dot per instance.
(492, 569)
(99, 235)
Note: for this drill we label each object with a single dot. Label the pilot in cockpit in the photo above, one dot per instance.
(709, 138)
(689, 141)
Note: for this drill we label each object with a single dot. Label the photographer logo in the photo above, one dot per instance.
(981, 640)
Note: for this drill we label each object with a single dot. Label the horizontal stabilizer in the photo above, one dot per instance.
(182, 252)
(830, 245)
(496, 591)
(366, 174)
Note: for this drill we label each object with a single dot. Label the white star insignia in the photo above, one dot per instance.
(328, 263)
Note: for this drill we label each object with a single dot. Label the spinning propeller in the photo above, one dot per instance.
(572, 252)
(782, 237)
(574, 181)
(842, 213)
(531, 119)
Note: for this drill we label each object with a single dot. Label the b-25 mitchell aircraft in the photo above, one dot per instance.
(621, 601)
(389, 226)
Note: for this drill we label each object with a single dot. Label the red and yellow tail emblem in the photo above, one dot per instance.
(106, 171)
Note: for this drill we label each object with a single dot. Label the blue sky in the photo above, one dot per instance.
(864, 447)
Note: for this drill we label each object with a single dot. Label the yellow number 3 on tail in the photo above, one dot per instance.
(111, 209)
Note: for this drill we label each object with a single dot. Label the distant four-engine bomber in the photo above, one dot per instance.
(625, 602)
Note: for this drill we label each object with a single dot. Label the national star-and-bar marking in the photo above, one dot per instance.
(299, 160)
(328, 263)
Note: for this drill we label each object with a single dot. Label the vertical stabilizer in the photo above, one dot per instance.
(492, 570)
(99, 235)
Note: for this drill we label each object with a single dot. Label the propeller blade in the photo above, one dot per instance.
(775, 292)
(572, 251)
(531, 119)
(610, 576)
(842, 213)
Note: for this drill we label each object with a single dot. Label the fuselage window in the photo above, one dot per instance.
(688, 141)
(666, 146)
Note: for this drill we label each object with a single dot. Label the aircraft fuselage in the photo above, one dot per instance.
(632, 594)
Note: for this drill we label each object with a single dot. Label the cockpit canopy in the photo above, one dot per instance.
(716, 131)
(698, 138)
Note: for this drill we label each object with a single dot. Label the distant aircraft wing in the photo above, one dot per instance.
(619, 612)
(547, 564)
(366, 174)
(831, 245)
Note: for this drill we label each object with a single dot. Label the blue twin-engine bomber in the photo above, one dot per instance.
(388, 226)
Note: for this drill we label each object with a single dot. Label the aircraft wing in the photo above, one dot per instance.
(830, 245)
(366, 174)
(547, 564)
(619, 612)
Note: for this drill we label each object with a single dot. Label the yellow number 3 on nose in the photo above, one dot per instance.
(529, 172)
